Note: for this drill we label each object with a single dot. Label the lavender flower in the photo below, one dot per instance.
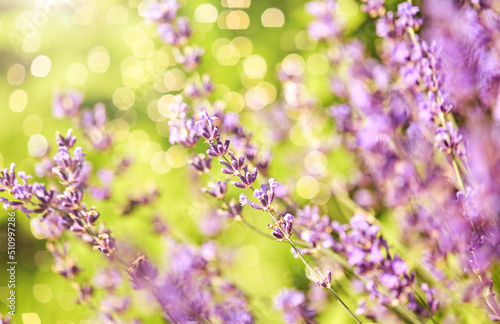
(218, 149)
(93, 124)
(293, 304)
(324, 27)
(363, 246)
(235, 167)
(448, 139)
(142, 273)
(373, 7)
(190, 57)
(247, 178)
(217, 190)
(201, 163)
(162, 11)
(67, 104)
(407, 16)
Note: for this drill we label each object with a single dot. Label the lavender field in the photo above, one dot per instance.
(238, 161)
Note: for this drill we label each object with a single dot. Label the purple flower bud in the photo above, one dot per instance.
(67, 104)
(287, 224)
(191, 57)
(245, 201)
(448, 139)
(105, 244)
(234, 209)
(294, 306)
(67, 141)
(217, 190)
(201, 163)
(142, 273)
(278, 233)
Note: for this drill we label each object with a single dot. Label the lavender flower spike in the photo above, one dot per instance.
(206, 128)
(245, 201)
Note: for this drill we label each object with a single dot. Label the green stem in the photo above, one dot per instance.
(317, 272)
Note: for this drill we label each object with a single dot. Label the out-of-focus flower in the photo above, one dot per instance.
(294, 306)
(67, 104)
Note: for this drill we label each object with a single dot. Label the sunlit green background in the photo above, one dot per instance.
(105, 50)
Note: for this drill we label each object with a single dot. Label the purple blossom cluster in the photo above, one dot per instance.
(191, 290)
(173, 30)
(65, 209)
(386, 277)
(294, 306)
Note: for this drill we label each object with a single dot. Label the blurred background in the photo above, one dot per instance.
(106, 51)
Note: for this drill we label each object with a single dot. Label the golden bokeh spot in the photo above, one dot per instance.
(42, 293)
(163, 128)
(158, 60)
(40, 66)
(307, 187)
(234, 19)
(161, 162)
(237, 19)
(120, 135)
(248, 256)
(18, 100)
(272, 17)
(32, 125)
(315, 162)
(153, 112)
(31, 318)
(158, 82)
(255, 67)
(16, 74)
(260, 96)
(297, 136)
(323, 196)
(37, 145)
(143, 46)
(256, 98)
(317, 64)
(123, 98)
(130, 36)
(235, 101)
(31, 42)
(65, 300)
(206, 13)
(82, 16)
(347, 7)
(222, 52)
(77, 74)
(143, 150)
(228, 54)
(133, 74)
(138, 136)
(24, 20)
(179, 156)
(174, 79)
(117, 15)
(244, 45)
(303, 42)
(236, 3)
(163, 104)
(98, 59)
(293, 64)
